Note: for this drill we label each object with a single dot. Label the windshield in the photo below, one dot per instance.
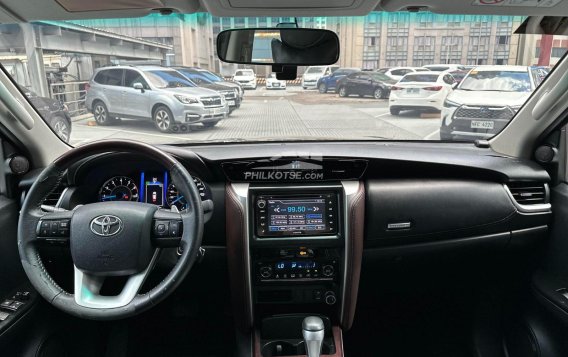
(419, 78)
(81, 70)
(168, 79)
(499, 81)
(315, 70)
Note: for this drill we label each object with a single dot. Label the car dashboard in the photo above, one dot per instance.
(296, 224)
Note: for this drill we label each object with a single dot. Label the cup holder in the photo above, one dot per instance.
(279, 348)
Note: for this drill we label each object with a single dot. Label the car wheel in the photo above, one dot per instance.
(100, 112)
(342, 92)
(379, 94)
(394, 111)
(61, 127)
(322, 88)
(163, 119)
(210, 124)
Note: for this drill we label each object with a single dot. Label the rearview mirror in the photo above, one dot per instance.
(280, 46)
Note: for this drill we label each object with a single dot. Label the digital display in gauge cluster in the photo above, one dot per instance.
(150, 187)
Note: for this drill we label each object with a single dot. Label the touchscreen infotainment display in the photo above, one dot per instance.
(291, 216)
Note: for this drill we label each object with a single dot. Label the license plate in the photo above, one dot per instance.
(231, 102)
(482, 124)
(276, 85)
(215, 111)
(413, 90)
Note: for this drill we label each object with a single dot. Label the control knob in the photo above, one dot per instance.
(327, 270)
(261, 204)
(265, 272)
(330, 298)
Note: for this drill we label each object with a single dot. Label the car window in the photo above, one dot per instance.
(496, 81)
(131, 77)
(243, 73)
(399, 72)
(448, 79)
(315, 70)
(380, 77)
(419, 78)
(167, 79)
(110, 77)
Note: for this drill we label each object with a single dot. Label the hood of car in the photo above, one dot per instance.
(216, 86)
(192, 91)
(481, 98)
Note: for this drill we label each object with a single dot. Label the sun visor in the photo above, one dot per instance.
(289, 7)
(106, 5)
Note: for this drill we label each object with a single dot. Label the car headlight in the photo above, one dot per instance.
(450, 104)
(186, 100)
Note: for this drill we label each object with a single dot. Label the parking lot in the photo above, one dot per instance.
(275, 114)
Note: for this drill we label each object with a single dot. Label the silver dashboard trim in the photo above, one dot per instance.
(538, 208)
(242, 191)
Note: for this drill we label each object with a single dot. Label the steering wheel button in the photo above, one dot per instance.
(54, 228)
(64, 224)
(161, 228)
(174, 228)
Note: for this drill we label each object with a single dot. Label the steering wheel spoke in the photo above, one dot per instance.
(87, 288)
(167, 228)
(54, 227)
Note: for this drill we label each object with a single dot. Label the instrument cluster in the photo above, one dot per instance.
(149, 187)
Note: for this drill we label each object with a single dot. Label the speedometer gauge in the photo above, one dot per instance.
(173, 197)
(119, 188)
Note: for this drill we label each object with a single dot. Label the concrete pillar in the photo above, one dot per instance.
(34, 53)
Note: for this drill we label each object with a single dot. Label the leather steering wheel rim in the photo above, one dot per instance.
(49, 179)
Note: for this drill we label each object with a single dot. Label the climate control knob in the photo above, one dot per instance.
(330, 298)
(261, 204)
(265, 272)
(327, 270)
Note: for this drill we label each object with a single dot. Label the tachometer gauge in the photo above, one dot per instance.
(173, 197)
(119, 188)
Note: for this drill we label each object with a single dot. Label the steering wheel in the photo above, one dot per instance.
(109, 238)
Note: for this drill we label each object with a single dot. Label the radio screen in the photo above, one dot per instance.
(290, 216)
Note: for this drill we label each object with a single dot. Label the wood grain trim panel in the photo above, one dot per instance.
(354, 254)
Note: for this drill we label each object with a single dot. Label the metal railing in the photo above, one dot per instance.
(71, 94)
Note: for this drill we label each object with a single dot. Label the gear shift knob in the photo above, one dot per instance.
(313, 331)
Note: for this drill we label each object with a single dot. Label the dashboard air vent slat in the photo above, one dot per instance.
(528, 193)
(54, 196)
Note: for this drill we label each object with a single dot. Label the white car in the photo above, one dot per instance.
(486, 100)
(397, 73)
(314, 73)
(424, 91)
(273, 83)
(246, 78)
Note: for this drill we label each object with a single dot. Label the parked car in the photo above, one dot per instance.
(470, 113)
(314, 73)
(273, 83)
(161, 94)
(54, 112)
(363, 84)
(445, 67)
(329, 82)
(424, 91)
(246, 78)
(397, 73)
(196, 73)
(231, 94)
(458, 74)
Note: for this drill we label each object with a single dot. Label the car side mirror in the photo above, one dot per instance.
(138, 86)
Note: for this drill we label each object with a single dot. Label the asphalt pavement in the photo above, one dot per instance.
(280, 114)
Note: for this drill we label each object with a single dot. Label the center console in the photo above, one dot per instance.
(296, 249)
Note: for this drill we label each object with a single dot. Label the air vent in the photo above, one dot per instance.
(54, 196)
(528, 193)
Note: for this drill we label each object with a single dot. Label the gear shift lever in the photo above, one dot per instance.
(313, 331)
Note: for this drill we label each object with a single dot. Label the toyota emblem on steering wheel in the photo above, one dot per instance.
(106, 225)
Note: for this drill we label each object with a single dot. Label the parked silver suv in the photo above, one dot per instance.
(153, 92)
